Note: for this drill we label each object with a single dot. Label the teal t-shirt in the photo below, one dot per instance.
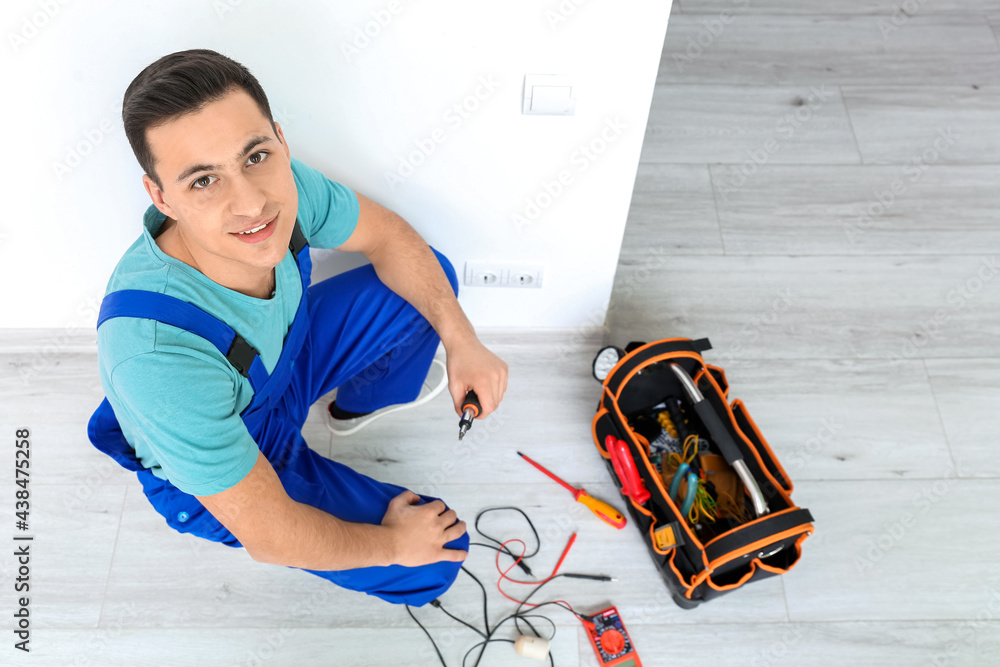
(177, 399)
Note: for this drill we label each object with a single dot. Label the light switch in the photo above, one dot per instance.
(548, 94)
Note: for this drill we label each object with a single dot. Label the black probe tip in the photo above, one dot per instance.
(520, 454)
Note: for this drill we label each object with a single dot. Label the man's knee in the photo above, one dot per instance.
(449, 271)
(437, 578)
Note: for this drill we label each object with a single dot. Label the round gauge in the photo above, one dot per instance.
(606, 360)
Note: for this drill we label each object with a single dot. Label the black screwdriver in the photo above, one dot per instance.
(470, 410)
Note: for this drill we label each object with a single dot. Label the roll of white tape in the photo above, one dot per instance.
(532, 647)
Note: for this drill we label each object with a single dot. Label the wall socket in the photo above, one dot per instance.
(503, 274)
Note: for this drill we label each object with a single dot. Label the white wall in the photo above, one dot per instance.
(348, 114)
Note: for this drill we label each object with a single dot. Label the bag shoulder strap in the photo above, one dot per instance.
(189, 317)
(640, 356)
(738, 540)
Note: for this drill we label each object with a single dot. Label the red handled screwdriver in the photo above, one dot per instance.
(470, 410)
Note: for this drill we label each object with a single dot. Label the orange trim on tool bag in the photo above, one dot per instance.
(743, 526)
(603, 410)
(680, 577)
(722, 372)
(759, 564)
(642, 445)
(696, 582)
(778, 570)
(652, 528)
(760, 544)
(798, 556)
(637, 350)
(756, 564)
(760, 436)
(657, 480)
(671, 552)
(753, 449)
(659, 483)
(593, 429)
(652, 360)
(728, 587)
(630, 433)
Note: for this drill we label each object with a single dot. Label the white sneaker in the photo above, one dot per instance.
(432, 387)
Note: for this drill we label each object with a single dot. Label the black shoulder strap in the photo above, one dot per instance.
(738, 540)
(642, 355)
(185, 315)
(298, 241)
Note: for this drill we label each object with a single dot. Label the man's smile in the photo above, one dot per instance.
(258, 231)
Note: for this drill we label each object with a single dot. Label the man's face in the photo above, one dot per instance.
(223, 171)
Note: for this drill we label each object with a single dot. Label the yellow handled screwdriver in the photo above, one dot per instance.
(601, 509)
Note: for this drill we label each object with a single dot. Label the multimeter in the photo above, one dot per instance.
(610, 640)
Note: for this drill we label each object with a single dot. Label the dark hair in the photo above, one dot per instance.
(177, 84)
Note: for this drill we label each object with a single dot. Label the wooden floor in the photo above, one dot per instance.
(817, 195)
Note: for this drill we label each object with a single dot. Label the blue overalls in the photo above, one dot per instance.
(351, 332)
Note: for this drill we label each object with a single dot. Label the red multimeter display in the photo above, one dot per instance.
(610, 640)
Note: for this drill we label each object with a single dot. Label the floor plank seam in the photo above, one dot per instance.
(784, 597)
(860, 87)
(824, 165)
(937, 410)
(111, 561)
(850, 124)
(993, 28)
(715, 205)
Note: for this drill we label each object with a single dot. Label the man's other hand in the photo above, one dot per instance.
(419, 532)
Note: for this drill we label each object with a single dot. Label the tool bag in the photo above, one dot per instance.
(730, 543)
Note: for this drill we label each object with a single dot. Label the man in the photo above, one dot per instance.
(213, 345)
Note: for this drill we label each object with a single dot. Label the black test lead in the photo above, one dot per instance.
(470, 410)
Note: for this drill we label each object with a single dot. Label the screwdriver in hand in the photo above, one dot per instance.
(601, 509)
(470, 410)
